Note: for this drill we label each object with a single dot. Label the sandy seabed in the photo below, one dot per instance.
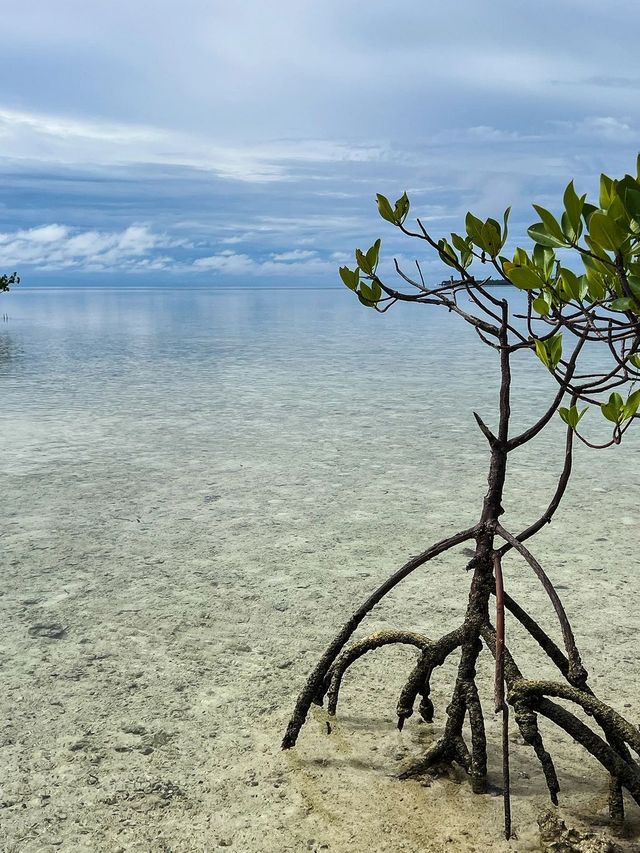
(151, 720)
(175, 560)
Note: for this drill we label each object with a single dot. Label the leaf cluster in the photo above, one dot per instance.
(7, 280)
(581, 275)
(369, 293)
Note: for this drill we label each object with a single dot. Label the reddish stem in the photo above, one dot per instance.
(499, 679)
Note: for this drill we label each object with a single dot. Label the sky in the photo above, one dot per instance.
(214, 143)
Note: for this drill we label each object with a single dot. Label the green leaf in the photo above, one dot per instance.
(571, 416)
(597, 278)
(616, 211)
(550, 351)
(366, 295)
(541, 352)
(613, 409)
(623, 303)
(587, 210)
(631, 201)
(597, 290)
(402, 208)
(520, 257)
(541, 305)
(464, 247)
(631, 406)
(366, 302)
(595, 264)
(567, 228)
(584, 286)
(447, 255)
(363, 263)
(385, 210)
(544, 258)
(635, 361)
(525, 278)
(573, 205)
(634, 285)
(606, 232)
(372, 255)
(565, 414)
(595, 248)
(606, 191)
(551, 225)
(460, 243)
(576, 287)
(505, 225)
(350, 277)
(474, 230)
(376, 290)
(538, 234)
(554, 348)
(491, 237)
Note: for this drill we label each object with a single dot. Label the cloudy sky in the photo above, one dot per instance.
(207, 142)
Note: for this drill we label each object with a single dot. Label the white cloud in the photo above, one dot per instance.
(27, 136)
(43, 235)
(607, 127)
(57, 247)
(138, 249)
(237, 238)
(295, 255)
(484, 133)
(225, 262)
(295, 263)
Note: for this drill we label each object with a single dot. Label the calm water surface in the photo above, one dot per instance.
(291, 407)
(197, 488)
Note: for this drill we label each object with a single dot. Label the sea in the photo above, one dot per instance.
(198, 486)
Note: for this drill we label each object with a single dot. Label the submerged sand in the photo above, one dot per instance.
(151, 719)
(174, 561)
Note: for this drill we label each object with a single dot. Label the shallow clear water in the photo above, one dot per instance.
(258, 421)
(289, 379)
(198, 485)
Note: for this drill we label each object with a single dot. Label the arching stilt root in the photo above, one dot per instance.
(610, 741)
